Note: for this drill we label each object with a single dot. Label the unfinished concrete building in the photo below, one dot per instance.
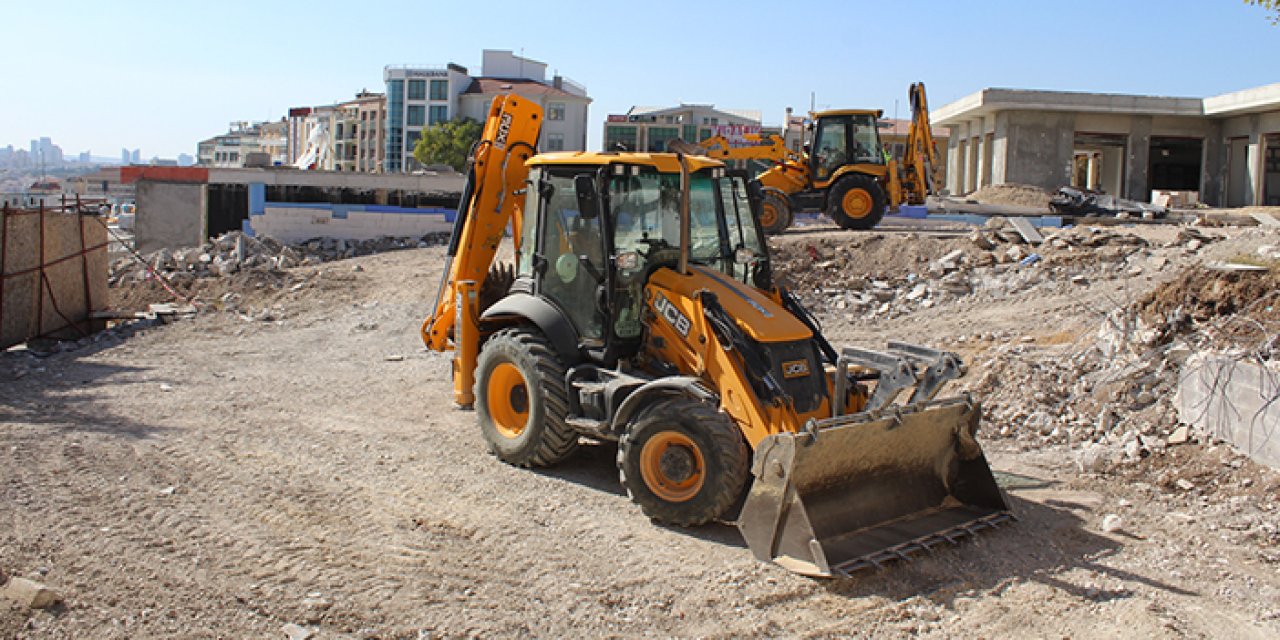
(1225, 148)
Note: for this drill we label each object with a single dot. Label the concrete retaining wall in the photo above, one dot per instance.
(1234, 401)
(50, 288)
(295, 222)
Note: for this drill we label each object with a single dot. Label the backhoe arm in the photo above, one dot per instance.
(490, 202)
(921, 157)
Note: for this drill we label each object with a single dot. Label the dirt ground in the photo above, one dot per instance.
(291, 455)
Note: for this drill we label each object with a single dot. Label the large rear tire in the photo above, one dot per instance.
(521, 399)
(776, 215)
(856, 201)
(683, 461)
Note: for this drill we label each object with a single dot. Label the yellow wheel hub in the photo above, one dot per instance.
(856, 203)
(672, 467)
(768, 216)
(508, 400)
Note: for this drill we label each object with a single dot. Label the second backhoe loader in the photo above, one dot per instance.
(643, 310)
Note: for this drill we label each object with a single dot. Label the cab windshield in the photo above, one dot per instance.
(646, 216)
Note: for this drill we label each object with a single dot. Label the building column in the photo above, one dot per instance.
(1257, 177)
(955, 156)
(1138, 160)
(1213, 166)
(980, 152)
(970, 157)
(1000, 148)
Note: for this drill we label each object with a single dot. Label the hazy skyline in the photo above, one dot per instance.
(162, 76)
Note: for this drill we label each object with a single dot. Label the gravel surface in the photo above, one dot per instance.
(289, 461)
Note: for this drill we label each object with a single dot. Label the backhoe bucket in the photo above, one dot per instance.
(856, 491)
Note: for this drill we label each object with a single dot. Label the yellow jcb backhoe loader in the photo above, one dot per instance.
(642, 310)
(844, 174)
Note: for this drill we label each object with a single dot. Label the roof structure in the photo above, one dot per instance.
(986, 101)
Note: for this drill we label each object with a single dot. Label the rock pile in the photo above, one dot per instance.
(234, 252)
(992, 263)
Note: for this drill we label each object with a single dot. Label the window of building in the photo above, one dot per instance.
(659, 136)
(439, 113)
(417, 89)
(554, 142)
(417, 116)
(411, 139)
(614, 136)
(555, 111)
(439, 89)
(689, 133)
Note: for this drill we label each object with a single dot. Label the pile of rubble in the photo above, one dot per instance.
(235, 252)
(992, 263)
(1110, 396)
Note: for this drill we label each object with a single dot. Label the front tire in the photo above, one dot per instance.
(521, 399)
(683, 461)
(776, 215)
(856, 201)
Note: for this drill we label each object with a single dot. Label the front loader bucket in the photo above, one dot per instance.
(858, 490)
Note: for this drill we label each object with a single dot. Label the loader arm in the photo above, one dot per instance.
(490, 202)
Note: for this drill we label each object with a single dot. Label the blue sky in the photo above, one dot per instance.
(99, 76)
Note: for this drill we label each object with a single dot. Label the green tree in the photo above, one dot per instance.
(1272, 7)
(447, 143)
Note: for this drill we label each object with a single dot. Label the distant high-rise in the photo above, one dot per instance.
(124, 157)
(137, 156)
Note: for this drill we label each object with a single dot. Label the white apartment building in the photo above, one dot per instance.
(419, 96)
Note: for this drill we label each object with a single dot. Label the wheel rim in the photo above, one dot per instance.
(508, 400)
(768, 215)
(856, 203)
(672, 467)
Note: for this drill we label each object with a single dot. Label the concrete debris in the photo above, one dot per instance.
(297, 632)
(233, 252)
(1111, 523)
(989, 267)
(30, 594)
(1181, 435)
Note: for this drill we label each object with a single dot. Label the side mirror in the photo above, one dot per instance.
(588, 197)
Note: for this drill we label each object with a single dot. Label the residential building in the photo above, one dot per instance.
(419, 96)
(308, 127)
(1225, 148)
(244, 144)
(651, 128)
(371, 110)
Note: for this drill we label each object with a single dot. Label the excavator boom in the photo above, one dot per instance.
(489, 203)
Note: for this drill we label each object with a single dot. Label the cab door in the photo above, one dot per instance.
(830, 149)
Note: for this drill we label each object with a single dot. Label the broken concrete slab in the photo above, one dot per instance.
(1265, 219)
(1026, 230)
(1235, 401)
(30, 594)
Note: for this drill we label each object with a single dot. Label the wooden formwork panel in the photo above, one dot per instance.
(53, 274)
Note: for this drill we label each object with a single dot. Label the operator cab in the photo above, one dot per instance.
(842, 138)
(593, 234)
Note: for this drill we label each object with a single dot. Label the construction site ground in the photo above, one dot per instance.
(290, 460)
